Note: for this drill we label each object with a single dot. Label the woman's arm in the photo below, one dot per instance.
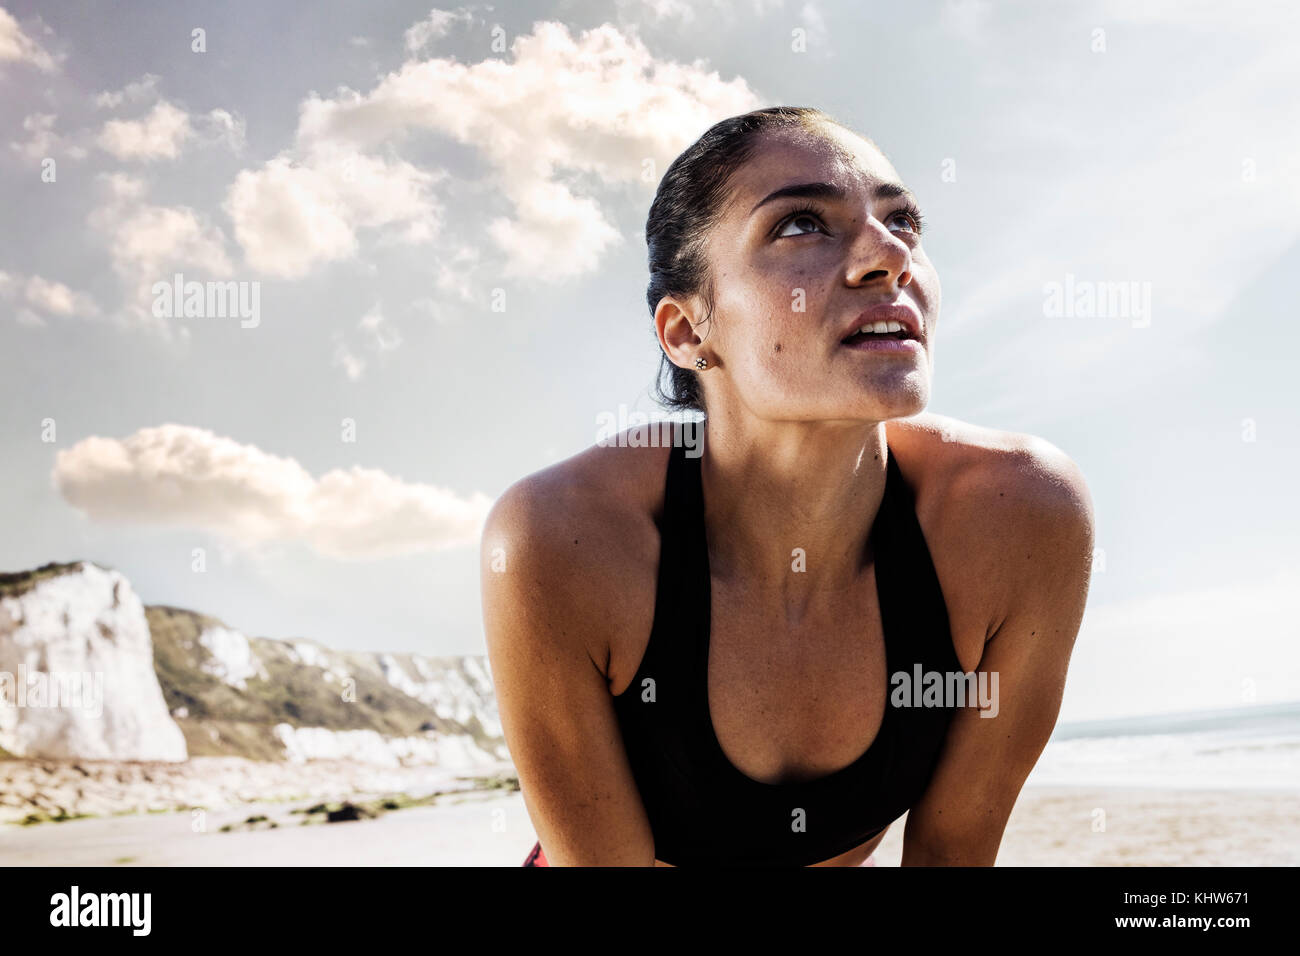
(541, 571)
(1036, 511)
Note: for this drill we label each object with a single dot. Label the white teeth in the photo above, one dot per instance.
(879, 328)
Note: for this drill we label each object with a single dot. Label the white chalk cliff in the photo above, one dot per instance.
(83, 632)
(163, 683)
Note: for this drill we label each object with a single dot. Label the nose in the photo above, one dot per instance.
(879, 257)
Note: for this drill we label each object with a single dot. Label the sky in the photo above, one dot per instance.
(433, 220)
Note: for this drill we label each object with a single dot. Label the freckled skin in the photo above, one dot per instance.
(785, 362)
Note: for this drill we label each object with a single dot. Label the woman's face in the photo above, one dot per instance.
(789, 286)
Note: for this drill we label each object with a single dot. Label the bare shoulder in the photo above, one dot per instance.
(936, 451)
(1009, 513)
(583, 533)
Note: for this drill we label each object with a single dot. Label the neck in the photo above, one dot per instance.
(773, 487)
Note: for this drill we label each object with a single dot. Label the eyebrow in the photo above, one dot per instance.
(823, 190)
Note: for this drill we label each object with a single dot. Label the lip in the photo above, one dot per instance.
(902, 312)
(884, 345)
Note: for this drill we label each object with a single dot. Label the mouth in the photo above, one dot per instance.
(886, 325)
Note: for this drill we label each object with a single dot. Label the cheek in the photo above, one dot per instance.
(786, 338)
(766, 314)
(781, 360)
(791, 339)
(766, 360)
(767, 352)
(927, 289)
(770, 326)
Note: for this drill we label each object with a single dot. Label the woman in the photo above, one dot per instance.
(714, 651)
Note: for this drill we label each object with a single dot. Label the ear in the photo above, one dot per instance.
(675, 322)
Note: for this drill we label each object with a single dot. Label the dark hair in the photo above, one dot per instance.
(687, 204)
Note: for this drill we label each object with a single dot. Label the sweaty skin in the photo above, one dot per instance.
(794, 457)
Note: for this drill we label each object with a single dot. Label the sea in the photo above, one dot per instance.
(1249, 748)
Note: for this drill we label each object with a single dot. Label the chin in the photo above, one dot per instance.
(898, 410)
(896, 399)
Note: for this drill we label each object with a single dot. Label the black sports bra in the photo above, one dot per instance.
(702, 809)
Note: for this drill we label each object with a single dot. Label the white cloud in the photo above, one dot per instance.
(152, 237)
(555, 235)
(353, 365)
(187, 477)
(36, 295)
(137, 91)
(221, 126)
(599, 104)
(42, 141)
(437, 24)
(41, 128)
(147, 243)
(159, 135)
(453, 273)
(17, 47)
(292, 216)
(121, 187)
(380, 336)
(288, 218)
(163, 132)
(384, 337)
(57, 299)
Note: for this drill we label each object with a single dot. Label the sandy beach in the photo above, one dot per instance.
(1050, 826)
(1076, 826)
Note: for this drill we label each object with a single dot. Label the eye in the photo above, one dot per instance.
(911, 216)
(808, 213)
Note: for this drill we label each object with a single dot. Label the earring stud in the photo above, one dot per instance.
(701, 362)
